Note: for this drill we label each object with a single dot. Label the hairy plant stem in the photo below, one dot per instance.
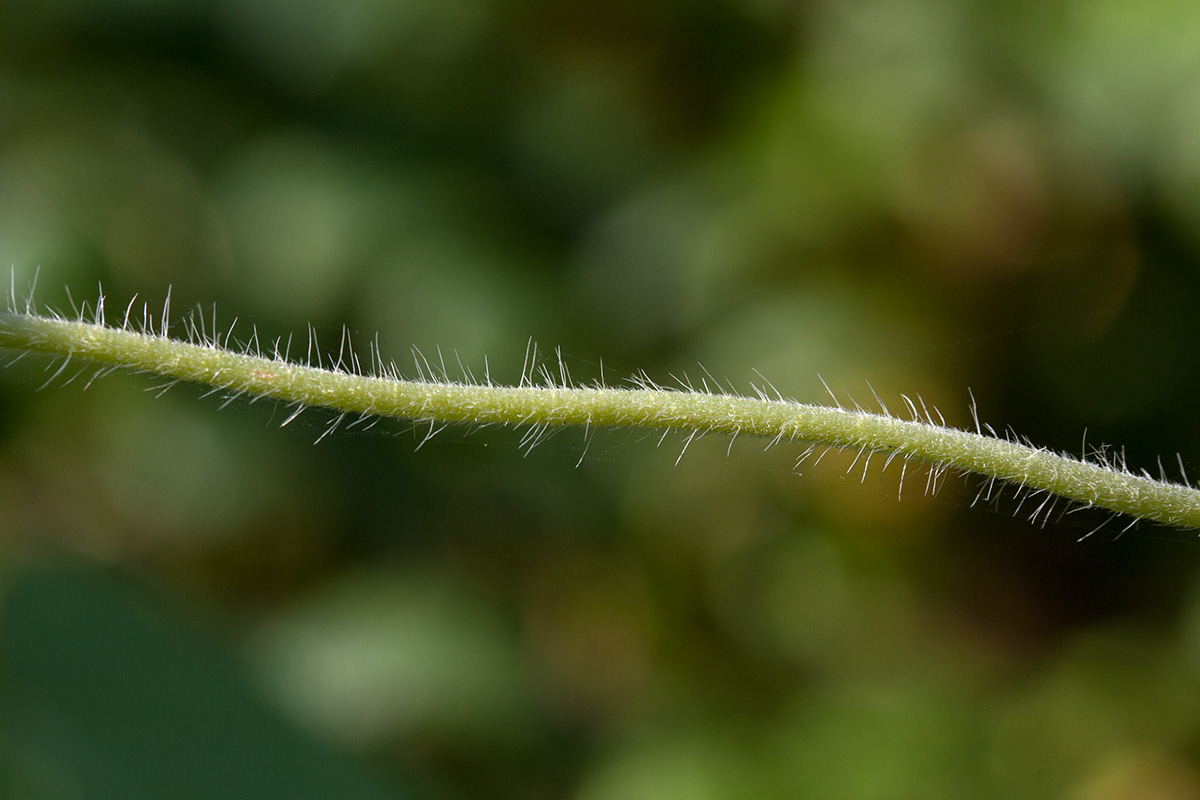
(1034, 470)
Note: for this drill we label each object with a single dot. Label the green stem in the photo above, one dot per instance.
(1035, 470)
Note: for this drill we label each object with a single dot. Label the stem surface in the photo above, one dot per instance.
(1035, 470)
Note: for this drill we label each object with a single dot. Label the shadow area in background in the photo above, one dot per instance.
(103, 694)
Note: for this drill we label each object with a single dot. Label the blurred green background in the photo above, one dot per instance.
(927, 195)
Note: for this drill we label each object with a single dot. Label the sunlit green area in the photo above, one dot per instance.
(951, 200)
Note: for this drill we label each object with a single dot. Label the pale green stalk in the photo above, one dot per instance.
(1033, 470)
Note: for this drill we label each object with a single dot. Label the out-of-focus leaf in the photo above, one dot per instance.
(107, 695)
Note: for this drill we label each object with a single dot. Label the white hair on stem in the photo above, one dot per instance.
(546, 399)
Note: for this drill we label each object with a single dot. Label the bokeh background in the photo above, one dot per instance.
(931, 196)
